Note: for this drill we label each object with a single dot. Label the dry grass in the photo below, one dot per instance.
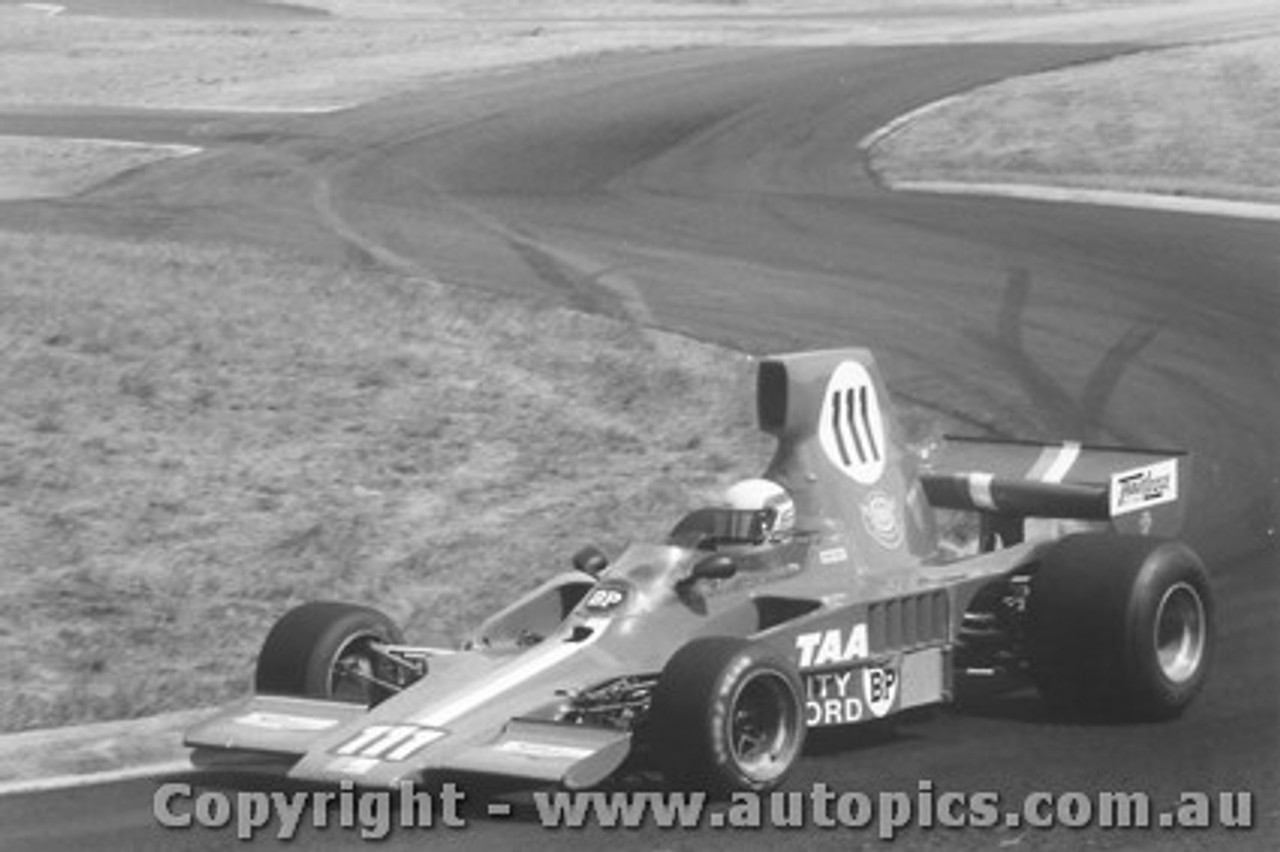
(1198, 120)
(195, 439)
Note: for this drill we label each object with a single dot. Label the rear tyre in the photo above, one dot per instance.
(1120, 627)
(727, 714)
(322, 650)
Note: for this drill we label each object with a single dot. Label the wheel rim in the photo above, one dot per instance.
(763, 728)
(1180, 632)
(352, 665)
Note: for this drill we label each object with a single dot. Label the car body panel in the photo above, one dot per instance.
(860, 597)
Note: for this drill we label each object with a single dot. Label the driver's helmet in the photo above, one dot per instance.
(764, 495)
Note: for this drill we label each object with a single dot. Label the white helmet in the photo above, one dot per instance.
(755, 495)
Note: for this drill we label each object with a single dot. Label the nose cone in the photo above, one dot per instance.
(465, 705)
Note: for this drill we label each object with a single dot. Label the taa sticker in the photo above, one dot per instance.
(850, 427)
(605, 597)
(881, 519)
(1144, 487)
(828, 700)
(832, 647)
(388, 742)
(880, 690)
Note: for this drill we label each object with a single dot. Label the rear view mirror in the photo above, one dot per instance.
(590, 560)
(718, 567)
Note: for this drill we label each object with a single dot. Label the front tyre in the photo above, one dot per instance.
(1120, 626)
(324, 650)
(727, 714)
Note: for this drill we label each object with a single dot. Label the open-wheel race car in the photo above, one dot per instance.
(818, 596)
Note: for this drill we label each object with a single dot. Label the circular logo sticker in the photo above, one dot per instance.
(605, 597)
(850, 427)
(880, 689)
(880, 517)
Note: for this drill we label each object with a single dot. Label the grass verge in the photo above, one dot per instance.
(195, 439)
(1194, 121)
(50, 168)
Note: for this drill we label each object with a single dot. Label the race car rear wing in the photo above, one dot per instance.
(1134, 490)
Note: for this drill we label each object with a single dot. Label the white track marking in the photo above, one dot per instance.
(1100, 198)
(49, 9)
(883, 132)
(172, 149)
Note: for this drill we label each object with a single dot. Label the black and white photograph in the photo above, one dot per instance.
(658, 425)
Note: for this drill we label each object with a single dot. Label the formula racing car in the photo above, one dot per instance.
(817, 596)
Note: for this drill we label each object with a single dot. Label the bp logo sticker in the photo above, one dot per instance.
(850, 428)
(879, 689)
(605, 597)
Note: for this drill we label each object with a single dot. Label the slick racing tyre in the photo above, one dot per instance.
(1120, 627)
(322, 650)
(727, 714)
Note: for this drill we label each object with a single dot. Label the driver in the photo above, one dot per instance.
(764, 495)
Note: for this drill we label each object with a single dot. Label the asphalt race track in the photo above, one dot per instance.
(722, 194)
